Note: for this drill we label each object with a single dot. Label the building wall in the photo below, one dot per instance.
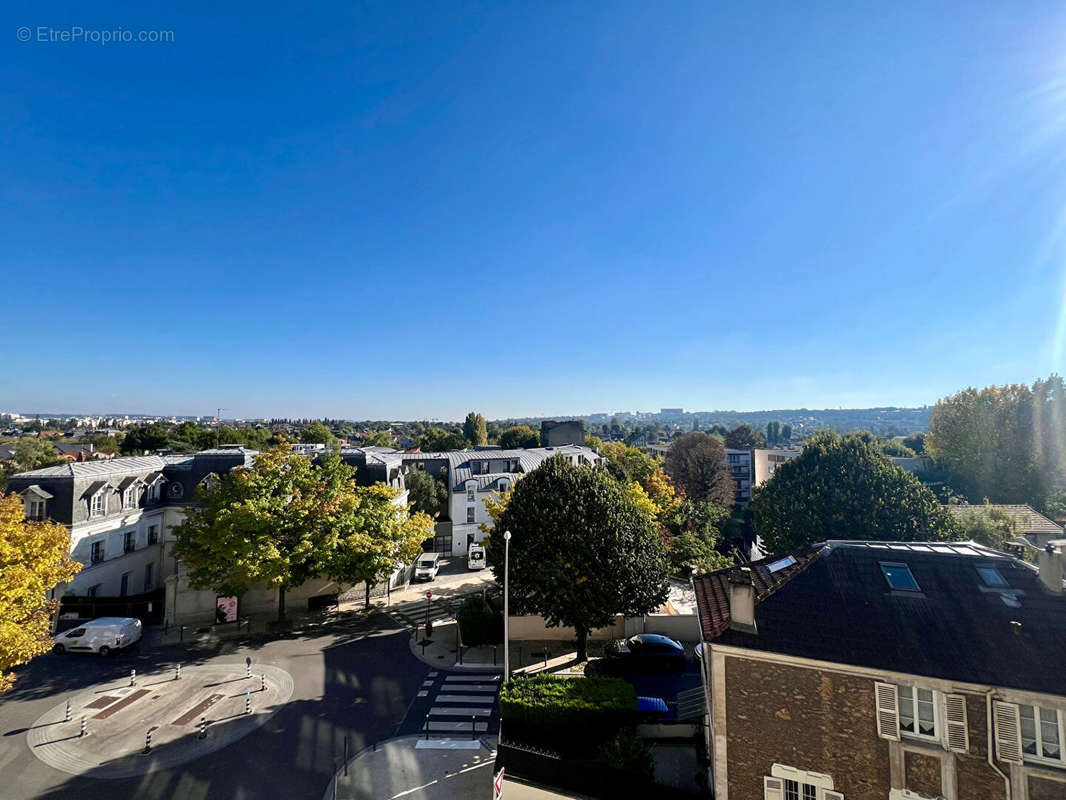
(765, 461)
(825, 721)
(556, 434)
(533, 628)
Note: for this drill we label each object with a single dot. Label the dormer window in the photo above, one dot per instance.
(129, 497)
(35, 510)
(98, 505)
(153, 493)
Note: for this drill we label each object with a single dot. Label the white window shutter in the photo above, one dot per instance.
(773, 788)
(829, 794)
(1008, 733)
(958, 737)
(887, 711)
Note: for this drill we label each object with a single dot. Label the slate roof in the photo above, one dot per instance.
(92, 469)
(834, 604)
(528, 459)
(1025, 519)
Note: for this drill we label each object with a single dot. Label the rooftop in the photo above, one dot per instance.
(1025, 519)
(834, 602)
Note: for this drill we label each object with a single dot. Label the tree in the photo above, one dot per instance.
(627, 463)
(519, 436)
(844, 488)
(30, 452)
(990, 526)
(378, 439)
(428, 494)
(474, 429)
(696, 464)
(317, 433)
(786, 433)
(895, 447)
(277, 522)
(34, 559)
(144, 438)
(580, 551)
(916, 442)
(744, 437)
(374, 536)
(437, 440)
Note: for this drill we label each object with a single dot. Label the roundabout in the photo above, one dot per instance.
(158, 720)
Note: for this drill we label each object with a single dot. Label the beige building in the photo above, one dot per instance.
(765, 461)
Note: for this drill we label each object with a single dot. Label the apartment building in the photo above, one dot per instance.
(739, 464)
(766, 460)
(886, 671)
(472, 476)
(118, 513)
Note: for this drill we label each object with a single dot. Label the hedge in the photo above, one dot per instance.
(480, 623)
(567, 715)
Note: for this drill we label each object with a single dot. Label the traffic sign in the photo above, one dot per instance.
(429, 595)
(497, 786)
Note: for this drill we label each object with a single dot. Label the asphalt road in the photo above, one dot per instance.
(355, 679)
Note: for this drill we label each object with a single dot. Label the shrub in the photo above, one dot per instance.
(628, 752)
(569, 715)
(479, 622)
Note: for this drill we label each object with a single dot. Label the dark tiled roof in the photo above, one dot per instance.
(835, 605)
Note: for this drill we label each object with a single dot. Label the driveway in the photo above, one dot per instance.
(355, 680)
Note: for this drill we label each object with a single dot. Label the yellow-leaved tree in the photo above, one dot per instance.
(34, 559)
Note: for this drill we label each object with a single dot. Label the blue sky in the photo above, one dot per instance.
(399, 210)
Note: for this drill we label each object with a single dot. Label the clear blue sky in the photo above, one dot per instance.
(408, 211)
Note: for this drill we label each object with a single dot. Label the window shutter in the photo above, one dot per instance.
(1008, 733)
(829, 794)
(887, 711)
(958, 737)
(773, 789)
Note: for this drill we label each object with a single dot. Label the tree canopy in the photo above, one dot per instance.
(34, 559)
(519, 436)
(317, 433)
(427, 493)
(845, 488)
(581, 549)
(475, 430)
(144, 438)
(696, 464)
(744, 437)
(30, 452)
(436, 440)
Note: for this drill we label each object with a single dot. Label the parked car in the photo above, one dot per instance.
(100, 636)
(427, 567)
(644, 652)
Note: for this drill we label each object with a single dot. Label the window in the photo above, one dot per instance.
(800, 791)
(97, 505)
(35, 510)
(129, 541)
(96, 552)
(470, 496)
(917, 712)
(899, 577)
(1041, 730)
(991, 576)
(149, 577)
(153, 534)
(781, 563)
(77, 633)
(93, 591)
(153, 492)
(129, 498)
(124, 585)
(789, 783)
(470, 513)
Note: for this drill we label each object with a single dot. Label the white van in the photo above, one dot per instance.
(475, 557)
(100, 636)
(426, 567)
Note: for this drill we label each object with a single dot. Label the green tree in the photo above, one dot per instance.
(30, 452)
(144, 438)
(916, 442)
(475, 430)
(375, 535)
(428, 494)
(378, 439)
(580, 551)
(843, 487)
(895, 447)
(786, 432)
(519, 436)
(626, 463)
(696, 464)
(318, 433)
(278, 522)
(436, 440)
(744, 437)
(34, 559)
(987, 525)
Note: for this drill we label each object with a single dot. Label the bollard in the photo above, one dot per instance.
(66, 714)
(248, 701)
(262, 683)
(345, 755)
(473, 727)
(494, 655)
(203, 728)
(248, 667)
(147, 743)
(133, 677)
(84, 728)
(181, 634)
(177, 672)
(545, 656)
(425, 727)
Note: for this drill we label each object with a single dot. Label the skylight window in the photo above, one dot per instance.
(899, 577)
(780, 564)
(991, 576)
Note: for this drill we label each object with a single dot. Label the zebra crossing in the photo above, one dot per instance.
(453, 706)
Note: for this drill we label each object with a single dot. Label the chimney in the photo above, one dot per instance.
(741, 601)
(1051, 566)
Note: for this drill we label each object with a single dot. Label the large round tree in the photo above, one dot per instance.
(581, 549)
(696, 463)
(845, 488)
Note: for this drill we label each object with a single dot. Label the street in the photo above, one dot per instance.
(356, 679)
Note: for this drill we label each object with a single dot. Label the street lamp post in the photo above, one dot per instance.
(506, 609)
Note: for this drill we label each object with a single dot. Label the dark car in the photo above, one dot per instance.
(645, 652)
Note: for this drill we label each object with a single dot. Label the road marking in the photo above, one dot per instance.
(462, 687)
(472, 679)
(197, 710)
(464, 698)
(480, 727)
(423, 693)
(459, 711)
(121, 704)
